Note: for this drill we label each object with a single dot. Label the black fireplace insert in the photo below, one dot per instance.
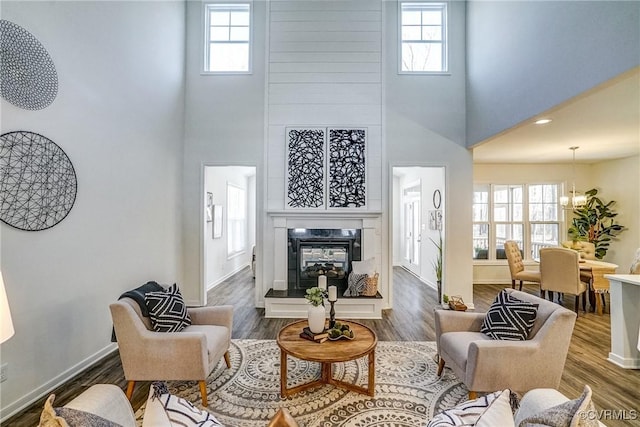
(313, 252)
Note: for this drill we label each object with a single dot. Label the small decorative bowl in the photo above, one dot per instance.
(342, 336)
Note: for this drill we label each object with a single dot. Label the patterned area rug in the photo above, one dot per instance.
(407, 394)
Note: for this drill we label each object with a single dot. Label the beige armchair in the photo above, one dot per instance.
(190, 354)
(516, 265)
(484, 364)
(560, 272)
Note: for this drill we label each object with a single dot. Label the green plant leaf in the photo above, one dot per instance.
(594, 223)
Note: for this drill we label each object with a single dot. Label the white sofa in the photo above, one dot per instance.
(538, 407)
(109, 402)
(538, 400)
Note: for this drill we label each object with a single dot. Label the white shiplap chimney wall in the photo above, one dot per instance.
(324, 69)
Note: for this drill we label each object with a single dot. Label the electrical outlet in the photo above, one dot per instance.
(4, 372)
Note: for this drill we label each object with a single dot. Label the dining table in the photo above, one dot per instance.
(599, 285)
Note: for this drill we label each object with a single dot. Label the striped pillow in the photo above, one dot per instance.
(509, 318)
(179, 411)
(355, 284)
(167, 310)
(496, 407)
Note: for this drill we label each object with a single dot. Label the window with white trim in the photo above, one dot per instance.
(227, 38)
(423, 37)
(236, 220)
(527, 213)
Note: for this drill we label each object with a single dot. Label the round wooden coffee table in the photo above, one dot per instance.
(327, 353)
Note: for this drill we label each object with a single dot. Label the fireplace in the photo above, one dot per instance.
(315, 252)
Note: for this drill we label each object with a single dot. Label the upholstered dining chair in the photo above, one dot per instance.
(516, 265)
(484, 364)
(560, 272)
(586, 250)
(188, 355)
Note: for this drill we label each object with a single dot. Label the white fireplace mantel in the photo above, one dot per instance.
(324, 213)
(369, 222)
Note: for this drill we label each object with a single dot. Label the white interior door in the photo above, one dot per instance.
(411, 226)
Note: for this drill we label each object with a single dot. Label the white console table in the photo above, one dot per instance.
(625, 320)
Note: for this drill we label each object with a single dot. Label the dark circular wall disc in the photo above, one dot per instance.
(38, 184)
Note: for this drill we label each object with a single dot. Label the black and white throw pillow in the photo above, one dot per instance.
(509, 318)
(491, 410)
(355, 284)
(167, 310)
(180, 411)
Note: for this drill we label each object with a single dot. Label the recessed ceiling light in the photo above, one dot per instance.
(542, 121)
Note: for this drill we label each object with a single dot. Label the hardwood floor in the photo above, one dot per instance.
(614, 388)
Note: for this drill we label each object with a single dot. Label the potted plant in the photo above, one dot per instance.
(437, 265)
(594, 222)
(316, 313)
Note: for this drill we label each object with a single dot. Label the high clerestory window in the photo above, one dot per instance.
(423, 37)
(227, 38)
(529, 214)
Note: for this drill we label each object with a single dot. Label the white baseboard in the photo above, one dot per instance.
(45, 389)
(624, 362)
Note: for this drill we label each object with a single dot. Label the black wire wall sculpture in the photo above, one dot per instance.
(38, 184)
(347, 168)
(28, 77)
(305, 168)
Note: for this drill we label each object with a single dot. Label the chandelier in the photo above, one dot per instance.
(577, 200)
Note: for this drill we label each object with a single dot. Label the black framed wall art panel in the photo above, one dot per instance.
(305, 168)
(347, 168)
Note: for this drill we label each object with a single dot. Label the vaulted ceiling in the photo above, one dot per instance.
(604, 122)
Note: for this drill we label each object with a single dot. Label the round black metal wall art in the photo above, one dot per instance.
(38, 184)
(28, 77)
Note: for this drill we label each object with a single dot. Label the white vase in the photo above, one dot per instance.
(316, 317)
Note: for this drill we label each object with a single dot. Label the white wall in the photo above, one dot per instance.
(605, 176)
(424, 121)
(118, 116)
(619, 180)
(218, 265)
(324, 64)
(324, 70)
(525, 57)
(435, 102)
(224, 124)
